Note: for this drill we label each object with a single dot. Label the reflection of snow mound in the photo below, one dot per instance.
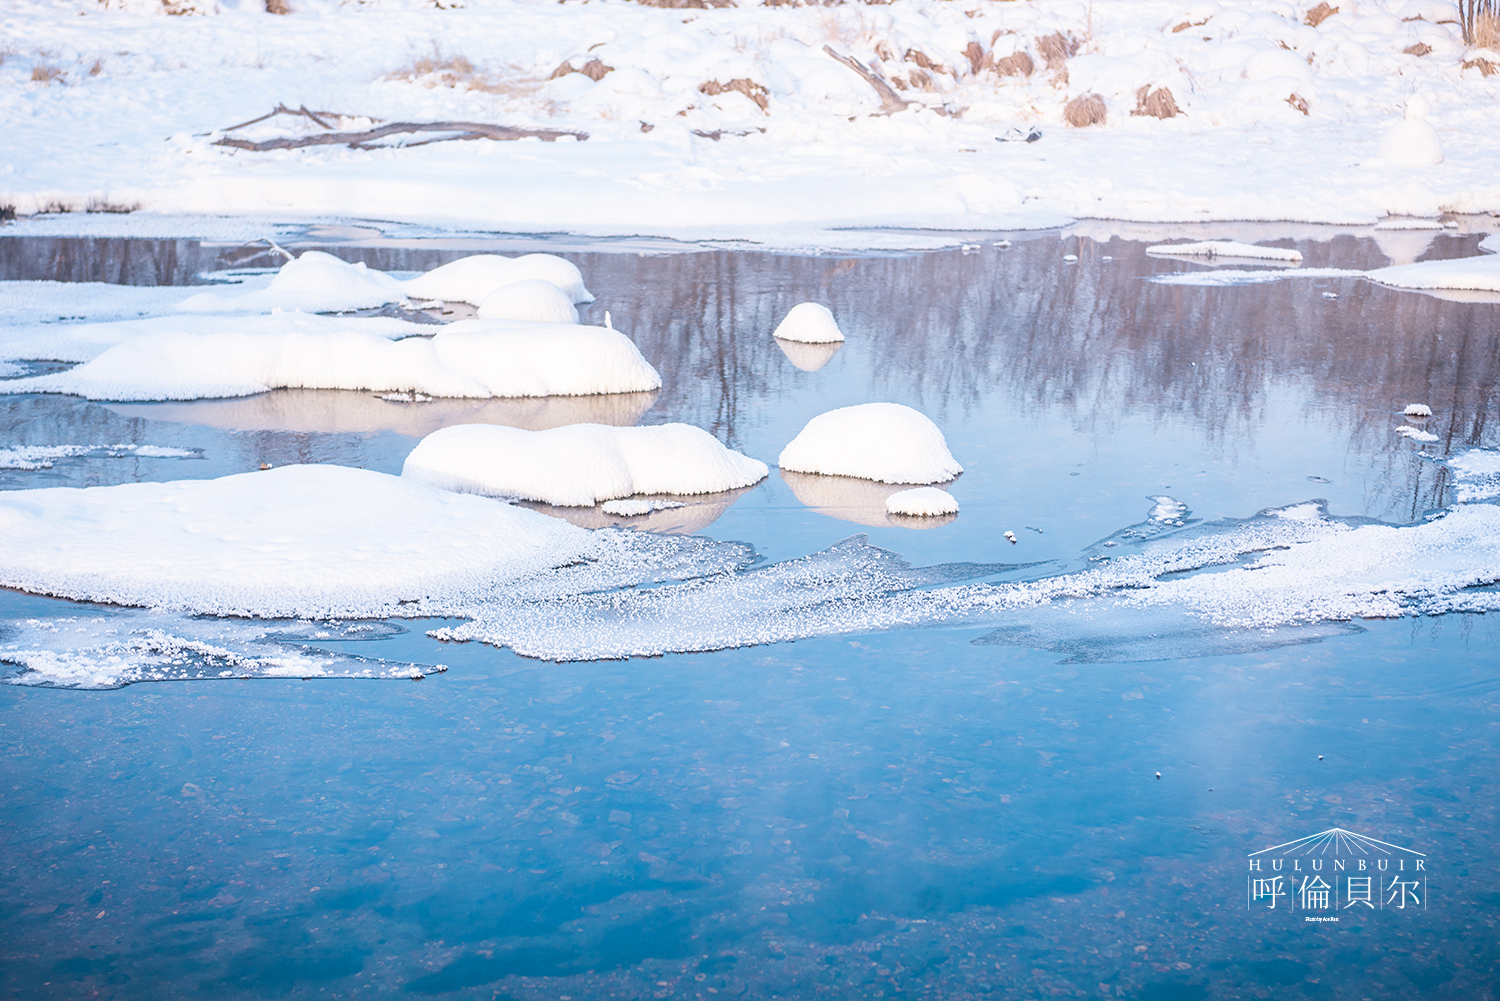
(579, 465)
(809, 323)
(885, 442)
(472, 279)
(125, 647)
(531, 299)
(849, 498)
(923, 502)
(338, 411)
(1225, 248)
(1476, 474)
(656, 515)
(808, 357)
(315, 283)
(471, 358)
(31, 457)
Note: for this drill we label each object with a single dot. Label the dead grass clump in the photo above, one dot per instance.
(594, 69)
(974, 52)
(1487, 31)
(1157, 104)
(925, 61)
(1015, 64)
(97, 68)
(44, 74)
(687, 4)
(1319, 14)
(1084, 110)
(1484, 66)
(740, 85)
(109, 207)
(278, 7)
(1298, 102)
(7, 213)
(438, 70)
(1185, 25)
(1056, 49)
(1420, 49)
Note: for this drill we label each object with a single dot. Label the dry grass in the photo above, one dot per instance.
(974, 52)
(927, 63)
(44, 74)
(740, 85)
(1015, 64)
(1484, 66)
(107, 206)
(278, 7)
(439, 70)
(1157, 103)
(594, 69)
(1487, 31)
(1420, 49)
(1056, 49)
(1298, 102)
(687, 4)
(1084, 110)
(97, 68)
(1319, 14)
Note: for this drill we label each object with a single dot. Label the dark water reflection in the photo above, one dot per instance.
(907, 814)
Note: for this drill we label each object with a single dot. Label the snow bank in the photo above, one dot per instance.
(579, 465)
(470, 358)
(885, 442)
(1476, 274)
(923, 502)
(315, 282)
(532, 299)
(474, 279)
(1225, 248)
(809, 323)
(1476, 475)
(296, 541)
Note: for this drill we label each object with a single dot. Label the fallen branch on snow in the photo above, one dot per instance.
(357, 140)
(890, 101)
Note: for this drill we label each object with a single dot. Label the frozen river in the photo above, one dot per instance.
(1008, 806)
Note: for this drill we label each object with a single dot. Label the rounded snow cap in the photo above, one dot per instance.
(1417, 108)
(885, 442)
(809, 323)
(531, 299)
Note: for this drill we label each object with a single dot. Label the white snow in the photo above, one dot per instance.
(923, 502)
(1417, 410)
(1413, 142)
(1476, 474)
(885, 442)
(1282, 120)
(315, 282)
(470, 358)
(635, 507)
(474, 279)
(1416, 434)
(33, 457)
(581, 464)
(1225, 248)
(1490, 244)
(809, 323)
(1480, 274)
(292, 541)
(531, 299)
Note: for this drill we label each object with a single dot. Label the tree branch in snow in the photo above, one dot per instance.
(890, 101)
(460, 130)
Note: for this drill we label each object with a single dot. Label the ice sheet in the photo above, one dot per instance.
(30, 457)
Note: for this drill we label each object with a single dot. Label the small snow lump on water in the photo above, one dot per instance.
(1417, 410)
(885, 442)
(809, 323)
(922, 502)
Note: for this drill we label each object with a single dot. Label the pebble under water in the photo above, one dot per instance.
(954, 812)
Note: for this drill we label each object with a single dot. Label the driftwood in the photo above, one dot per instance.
(890, 101)
(357, 140)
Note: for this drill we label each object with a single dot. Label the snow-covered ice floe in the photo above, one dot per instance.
(1225, 248)
(33, 457)
(885, 442)
(1416, 433)
(580, 465)
(1490, 244)
(315, 282)
(809, 323)
(1475, 274)
(1476, 475)
(922, 502)
(1228, 277)
(474, 279)
(470, 358)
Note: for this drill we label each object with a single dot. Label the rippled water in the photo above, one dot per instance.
(891, 814)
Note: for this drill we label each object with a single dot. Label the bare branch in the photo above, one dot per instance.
(461, 130)
(890, 101)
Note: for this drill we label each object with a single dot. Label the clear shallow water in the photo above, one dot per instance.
(903, 811)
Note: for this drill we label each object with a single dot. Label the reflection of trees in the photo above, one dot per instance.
(999, 330)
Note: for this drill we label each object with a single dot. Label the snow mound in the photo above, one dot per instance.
(1225, 248)
(314, 283)
(1416, 434)
(925, 502)
(470, 358)
(296, 541)
(579, 465)
(1417, 410)
(809, 323)
(472, 279)
(32, 457)
(1490, 244)
(1476, 475)
(1413, 142)
(1477, 274)
(885, 442)
(531, 299)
